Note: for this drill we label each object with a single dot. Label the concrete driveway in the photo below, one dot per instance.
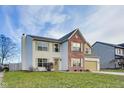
(1, 74)
(112, 73)
(1, 77)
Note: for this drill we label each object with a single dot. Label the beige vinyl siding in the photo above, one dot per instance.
(87, 47)
(44, 54)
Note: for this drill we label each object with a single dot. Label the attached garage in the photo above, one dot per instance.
(91, 64)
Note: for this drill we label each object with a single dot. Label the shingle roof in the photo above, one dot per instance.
(62, 39)
(44, 39)
(121, 44)
(113, 45)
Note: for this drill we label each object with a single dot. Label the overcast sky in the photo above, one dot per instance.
(97, 23)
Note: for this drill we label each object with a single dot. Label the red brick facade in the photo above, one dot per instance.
(78, 39)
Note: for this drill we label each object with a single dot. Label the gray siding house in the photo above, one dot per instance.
(108, 53)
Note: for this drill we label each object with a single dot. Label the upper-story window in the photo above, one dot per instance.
(56, 47)
(76, 46)
(43, 46)
(88, 51)
(119, 51)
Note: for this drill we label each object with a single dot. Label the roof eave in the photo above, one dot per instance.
(46, 40)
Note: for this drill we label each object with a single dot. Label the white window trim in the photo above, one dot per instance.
(119, 51)
(53, 48)
(42, 59)
(76, 44)
(72, 61)
(43, 44)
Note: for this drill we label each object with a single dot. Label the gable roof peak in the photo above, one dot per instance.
(77, 29)
(64, 38)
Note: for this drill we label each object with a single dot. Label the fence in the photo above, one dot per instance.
(15, 66)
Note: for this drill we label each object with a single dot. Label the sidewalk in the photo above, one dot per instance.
(112, 73)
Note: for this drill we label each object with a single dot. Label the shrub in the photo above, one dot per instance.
(67, 70)
(75, 70)
(81, 70)
(87, 70)
(30, 69)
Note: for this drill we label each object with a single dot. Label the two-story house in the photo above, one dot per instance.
(111, 55)
(71, 52)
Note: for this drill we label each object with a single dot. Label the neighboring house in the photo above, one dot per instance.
(71, 52)
(110, 55)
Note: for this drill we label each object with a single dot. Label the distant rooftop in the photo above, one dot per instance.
(121, 44)
(113, 45)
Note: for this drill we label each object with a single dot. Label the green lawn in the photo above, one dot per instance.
(62, 80)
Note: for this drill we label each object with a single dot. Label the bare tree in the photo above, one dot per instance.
(7, 48)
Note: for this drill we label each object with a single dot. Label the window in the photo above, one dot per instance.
(76, 62)
(122, 51)
(43, 46)
(76, 47)
(87, 50)
(56, 47)
(119, 51)
(42, 61)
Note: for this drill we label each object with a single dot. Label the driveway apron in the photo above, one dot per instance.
(112, 73)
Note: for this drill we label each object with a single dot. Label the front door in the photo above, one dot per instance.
(56, 64)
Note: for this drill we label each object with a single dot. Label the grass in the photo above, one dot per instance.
(114, 70)
(61, 80)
